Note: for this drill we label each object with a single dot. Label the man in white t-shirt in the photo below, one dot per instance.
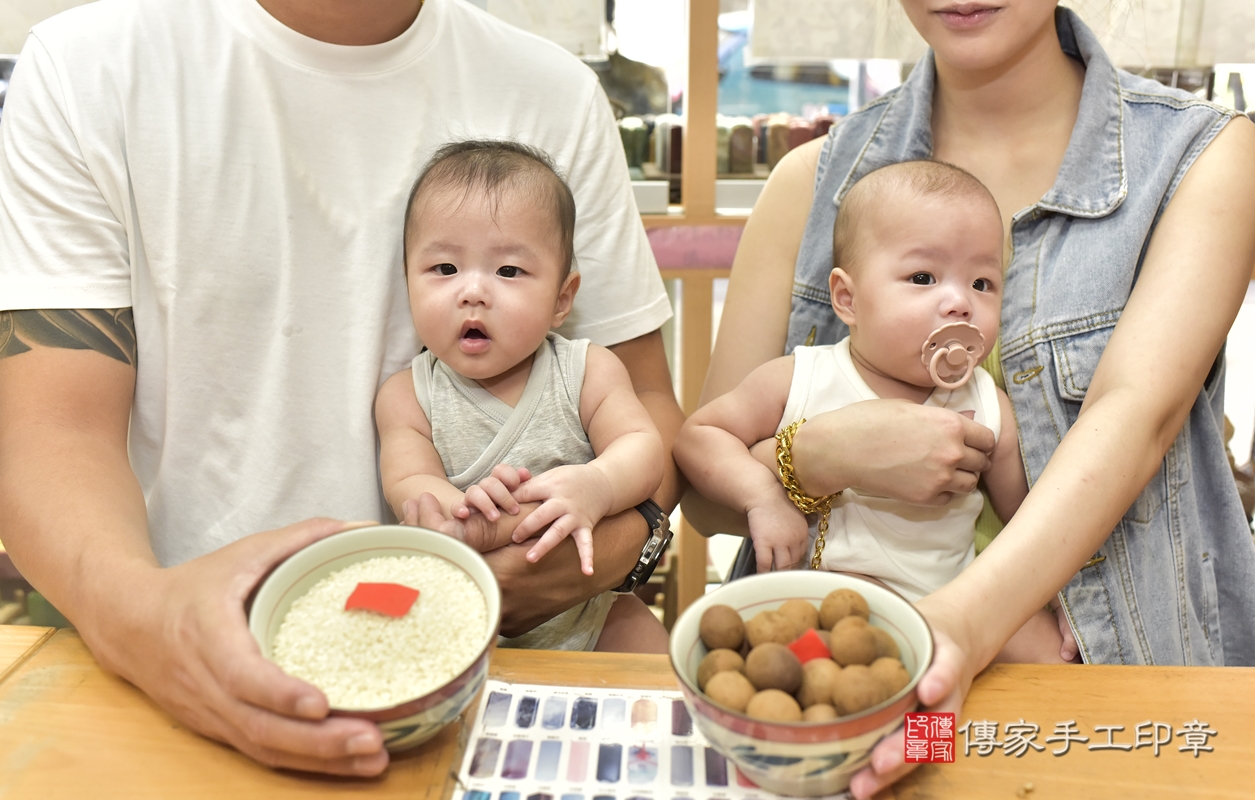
(201, 290)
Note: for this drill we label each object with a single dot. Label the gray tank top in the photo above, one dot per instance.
(474, 431)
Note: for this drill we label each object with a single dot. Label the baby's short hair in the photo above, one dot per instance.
(923, 177)
(493, 166)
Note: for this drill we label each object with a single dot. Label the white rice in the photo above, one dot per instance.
(362, 659)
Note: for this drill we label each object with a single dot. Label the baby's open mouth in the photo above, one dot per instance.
(474, 339)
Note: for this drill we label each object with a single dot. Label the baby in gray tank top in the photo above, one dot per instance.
(499, 411)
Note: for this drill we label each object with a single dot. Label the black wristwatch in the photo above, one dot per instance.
(651, 554)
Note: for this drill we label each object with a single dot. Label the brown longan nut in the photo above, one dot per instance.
(841, 603)
(802, 612)
(852, 621)
(773, 705)
(818, 677)
(885, 646)
(821, 712)
(721, 627)
(773, 666)
(852, 642)
(730, 689)
(770, 626)
(857, 689)
(891, 674)
(717, 661)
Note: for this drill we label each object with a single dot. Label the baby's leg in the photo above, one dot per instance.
(631, 628)
(1037, 642)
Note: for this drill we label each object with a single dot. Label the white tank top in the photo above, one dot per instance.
(914, 549)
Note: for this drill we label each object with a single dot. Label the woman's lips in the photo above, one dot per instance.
(966, 17)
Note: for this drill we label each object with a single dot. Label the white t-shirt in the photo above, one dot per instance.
(242, 188)
(914, 549)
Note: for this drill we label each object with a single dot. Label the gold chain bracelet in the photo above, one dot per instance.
(804, 502)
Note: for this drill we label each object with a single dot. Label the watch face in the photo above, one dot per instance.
(651, 553)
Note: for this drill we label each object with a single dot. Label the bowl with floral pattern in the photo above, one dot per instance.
(803, 759)
(405, 721)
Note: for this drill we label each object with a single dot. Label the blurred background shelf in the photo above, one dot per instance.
(711, 68)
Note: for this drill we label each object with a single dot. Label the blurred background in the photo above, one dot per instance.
(767, 76)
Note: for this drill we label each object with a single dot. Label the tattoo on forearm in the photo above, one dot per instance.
(109, 331)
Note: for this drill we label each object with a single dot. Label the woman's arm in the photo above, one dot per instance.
(1196, 268)
(755, 317)
(1146, 382)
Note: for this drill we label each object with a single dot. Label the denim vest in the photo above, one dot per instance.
(1175, 581)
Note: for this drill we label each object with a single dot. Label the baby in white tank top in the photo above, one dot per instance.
(916, 246)
(498, 411)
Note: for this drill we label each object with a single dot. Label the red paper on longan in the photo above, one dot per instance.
(808, 646)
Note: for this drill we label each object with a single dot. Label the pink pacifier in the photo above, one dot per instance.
(951, 353)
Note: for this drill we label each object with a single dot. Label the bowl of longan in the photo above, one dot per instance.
(795, 675)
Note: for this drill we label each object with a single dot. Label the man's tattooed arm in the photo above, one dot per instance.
(110, 331)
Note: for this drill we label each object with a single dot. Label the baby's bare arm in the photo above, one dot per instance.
(627, 469)
(714, 451)
(713, 446)
(628, 463)
(409, 465)
(627, 444)
(1005, 480)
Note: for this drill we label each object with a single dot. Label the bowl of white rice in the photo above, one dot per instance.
(411, 673)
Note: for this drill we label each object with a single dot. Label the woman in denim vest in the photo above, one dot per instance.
(1128, 211)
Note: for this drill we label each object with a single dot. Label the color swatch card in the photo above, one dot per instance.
(533, 742)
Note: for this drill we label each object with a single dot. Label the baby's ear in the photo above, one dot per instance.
(841, 288)
(566, 296)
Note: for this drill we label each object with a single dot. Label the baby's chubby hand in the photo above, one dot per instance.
(572, 500)
(493, 495)
(778, 530)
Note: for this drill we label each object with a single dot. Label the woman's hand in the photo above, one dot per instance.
(891, 448)
(942, 689)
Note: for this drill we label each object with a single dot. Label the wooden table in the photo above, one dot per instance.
(68, 730)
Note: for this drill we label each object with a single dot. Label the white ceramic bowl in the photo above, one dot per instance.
(413, 722)
(801, 759)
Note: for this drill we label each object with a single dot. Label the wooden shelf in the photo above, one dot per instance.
(679, 217)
